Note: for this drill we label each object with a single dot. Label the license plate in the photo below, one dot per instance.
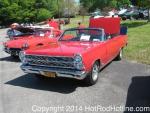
(50, 74)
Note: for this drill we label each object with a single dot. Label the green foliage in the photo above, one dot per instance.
(91, 5)
(30, 10)
(113, 3)
(122, 3)
(43, 14)
(100, 4)
(143, 3)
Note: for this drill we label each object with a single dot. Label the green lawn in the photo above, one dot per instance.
(138, 48)
(74, 22)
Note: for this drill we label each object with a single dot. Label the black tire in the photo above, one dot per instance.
(120, 55)
(93, 76)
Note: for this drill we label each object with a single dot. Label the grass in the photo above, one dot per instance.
(138, 48)
(74, 22)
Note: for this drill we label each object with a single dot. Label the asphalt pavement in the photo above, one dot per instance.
(121, 83)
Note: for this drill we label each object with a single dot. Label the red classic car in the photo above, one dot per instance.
(40, 37)
(19, 31)
(79, 53)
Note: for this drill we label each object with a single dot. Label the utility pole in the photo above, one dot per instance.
(68, 11)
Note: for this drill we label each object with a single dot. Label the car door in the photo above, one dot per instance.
(111, 47)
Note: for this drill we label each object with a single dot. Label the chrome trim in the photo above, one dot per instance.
(50, 56)
(52, 66)
(78, 54)
(51, 61)
(83, 66)
(80, 75)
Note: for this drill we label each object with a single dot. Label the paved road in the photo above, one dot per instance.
(121, 83)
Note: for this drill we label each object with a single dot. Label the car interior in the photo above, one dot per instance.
(82, 35)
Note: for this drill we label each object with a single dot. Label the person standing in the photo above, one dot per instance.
(53, 23)
(12, 31)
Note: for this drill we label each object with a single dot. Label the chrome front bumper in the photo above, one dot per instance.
(68, 73)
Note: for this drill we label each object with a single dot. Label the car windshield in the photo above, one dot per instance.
(42, 32)
(85, 34)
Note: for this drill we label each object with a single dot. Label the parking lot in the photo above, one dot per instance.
(121, 83)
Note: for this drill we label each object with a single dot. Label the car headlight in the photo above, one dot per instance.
(22, 57)
(78, 63)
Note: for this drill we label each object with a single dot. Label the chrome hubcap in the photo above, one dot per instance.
(95, 73)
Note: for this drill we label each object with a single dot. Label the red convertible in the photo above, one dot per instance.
(40, 37)
(79, 53)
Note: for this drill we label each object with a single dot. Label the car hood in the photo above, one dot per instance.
(19, 42)
(23, 36)
(62, 49)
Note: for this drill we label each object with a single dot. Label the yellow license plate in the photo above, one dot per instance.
(50, 74)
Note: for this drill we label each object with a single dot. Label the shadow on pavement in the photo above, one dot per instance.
(61, 85)
(139, 94)
(10, 59)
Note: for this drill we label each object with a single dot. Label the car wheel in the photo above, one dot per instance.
(93, 76)
(120, 55)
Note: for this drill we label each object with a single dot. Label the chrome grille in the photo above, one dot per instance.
(60, 62)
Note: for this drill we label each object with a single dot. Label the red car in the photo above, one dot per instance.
(79, 53)
(40, 37)
(19, 31)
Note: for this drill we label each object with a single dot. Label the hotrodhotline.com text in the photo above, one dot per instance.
(96, 108)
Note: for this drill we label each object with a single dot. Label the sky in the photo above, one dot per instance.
(77, 0)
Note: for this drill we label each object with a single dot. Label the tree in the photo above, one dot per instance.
(92, 5)
(88, 4)
(43, 14)
(27, 10)
(123, 3)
